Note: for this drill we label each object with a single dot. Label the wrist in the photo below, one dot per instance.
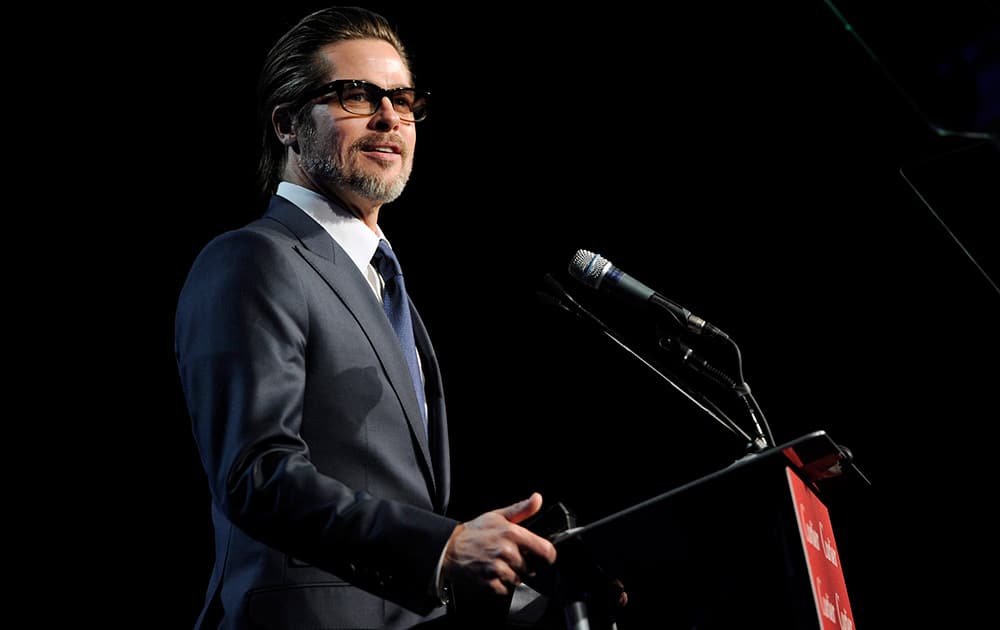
(442, 586)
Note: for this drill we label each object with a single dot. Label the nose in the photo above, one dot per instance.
(385, 117)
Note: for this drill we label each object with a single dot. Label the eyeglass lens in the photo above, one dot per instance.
(365, 98)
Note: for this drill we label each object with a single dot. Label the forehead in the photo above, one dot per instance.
(372, 60)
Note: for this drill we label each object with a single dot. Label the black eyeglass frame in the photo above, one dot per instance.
(418, 110)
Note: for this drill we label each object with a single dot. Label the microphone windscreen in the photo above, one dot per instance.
(588, 267)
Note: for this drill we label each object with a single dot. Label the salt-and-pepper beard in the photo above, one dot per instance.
(331, 171)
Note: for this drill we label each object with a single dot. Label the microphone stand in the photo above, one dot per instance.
(761, 440)
(561, 299)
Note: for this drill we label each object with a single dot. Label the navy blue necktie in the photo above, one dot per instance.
(397, 308)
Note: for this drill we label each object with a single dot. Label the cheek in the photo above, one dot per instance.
(332, 143)
(328, 137)
(411, 144)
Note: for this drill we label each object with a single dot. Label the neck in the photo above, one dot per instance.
(363, 209)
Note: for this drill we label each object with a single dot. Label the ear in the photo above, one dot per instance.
(284, 128)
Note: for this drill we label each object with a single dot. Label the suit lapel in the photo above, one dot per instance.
(342, 276)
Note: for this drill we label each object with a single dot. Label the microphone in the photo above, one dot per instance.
(597, 272)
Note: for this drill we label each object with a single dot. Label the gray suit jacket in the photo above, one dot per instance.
(328, 498)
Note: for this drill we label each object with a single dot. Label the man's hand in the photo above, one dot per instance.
(493, 552)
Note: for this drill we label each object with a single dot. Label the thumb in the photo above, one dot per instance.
(523, 509)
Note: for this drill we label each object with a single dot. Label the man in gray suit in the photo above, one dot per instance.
(328, 468)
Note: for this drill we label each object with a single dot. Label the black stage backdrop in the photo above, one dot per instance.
(743, 162)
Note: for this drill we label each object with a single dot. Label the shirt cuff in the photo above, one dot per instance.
(441, 588)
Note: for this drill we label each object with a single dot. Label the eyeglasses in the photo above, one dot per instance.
(364, 98)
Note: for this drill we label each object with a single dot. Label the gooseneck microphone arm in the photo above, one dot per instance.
(742, 389)
(560, 298)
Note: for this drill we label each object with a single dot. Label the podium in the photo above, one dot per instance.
(748, 546)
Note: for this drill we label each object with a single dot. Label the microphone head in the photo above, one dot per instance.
(589, 268)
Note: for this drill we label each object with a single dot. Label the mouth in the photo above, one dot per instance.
(381, 150)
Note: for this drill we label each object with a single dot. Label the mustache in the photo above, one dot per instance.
(371, 140)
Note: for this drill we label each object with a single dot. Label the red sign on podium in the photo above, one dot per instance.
(822, 558)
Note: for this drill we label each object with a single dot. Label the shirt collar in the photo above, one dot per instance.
(350, 232)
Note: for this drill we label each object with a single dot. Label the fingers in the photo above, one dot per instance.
(530, 544)
(525, 539)
(507, 554)
(477, 558)
(507, 579)
(494, 551)
(523, 509)
(617, 592)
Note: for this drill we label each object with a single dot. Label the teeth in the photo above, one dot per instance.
(384, 150)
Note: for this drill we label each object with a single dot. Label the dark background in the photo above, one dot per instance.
(744, 162)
